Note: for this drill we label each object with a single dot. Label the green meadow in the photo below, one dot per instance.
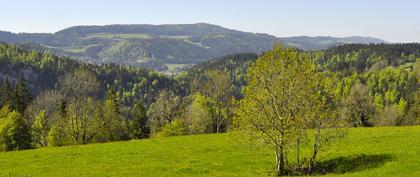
(365, 152)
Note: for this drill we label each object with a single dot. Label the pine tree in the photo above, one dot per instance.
(140, 129)
(22, 96)
(5, 93)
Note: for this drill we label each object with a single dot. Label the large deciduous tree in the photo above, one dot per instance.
(280, 102)
(81, 117)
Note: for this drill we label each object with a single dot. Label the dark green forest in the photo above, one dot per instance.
(47, 100)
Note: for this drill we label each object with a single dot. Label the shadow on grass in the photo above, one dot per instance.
(352, 163)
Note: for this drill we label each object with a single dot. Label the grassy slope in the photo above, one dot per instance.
(387, 152)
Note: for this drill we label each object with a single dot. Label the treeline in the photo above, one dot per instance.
(78, 103)
(378, 82)
(358, 58)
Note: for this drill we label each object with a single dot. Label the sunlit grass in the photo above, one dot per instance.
(383, 151)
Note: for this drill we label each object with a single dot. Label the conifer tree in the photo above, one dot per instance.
(5, 93)
(22, 96)
(140, 129)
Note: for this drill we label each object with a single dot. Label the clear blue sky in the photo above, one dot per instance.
(391, 20)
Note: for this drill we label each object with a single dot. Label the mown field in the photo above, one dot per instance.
(385, 151)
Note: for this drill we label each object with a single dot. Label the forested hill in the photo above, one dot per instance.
(389, 70)
(42, 71)
(155, 46)
(344, 59)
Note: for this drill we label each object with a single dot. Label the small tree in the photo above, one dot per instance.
(166, 109)
(198, 116)
(175, 128)
(326, 121)
(140, 129)
(83, 120)
(111, 122)
(57, 136)
(390, 115)
(218, 87)
(40, 129)
(48, 102)
(359, 106)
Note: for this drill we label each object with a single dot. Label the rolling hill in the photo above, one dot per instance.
(153, 46)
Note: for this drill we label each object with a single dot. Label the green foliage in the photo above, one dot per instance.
(174, 128)
(234, 66)
(22, 96)
(166, 109)
(218, 88)
(40, 129)
(15, 133)
(351, 58)
(279, 102)
(390, 115)
(58, 136)
(73, 92)
(358, 106)
(198, 115)
(6, 97)
(111, 121)
(139, 128)
(43, 70)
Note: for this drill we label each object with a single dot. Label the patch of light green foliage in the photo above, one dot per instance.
(174, 67)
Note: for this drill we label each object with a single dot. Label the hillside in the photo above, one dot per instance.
(153, 46)
(43, 70)
(366, 152)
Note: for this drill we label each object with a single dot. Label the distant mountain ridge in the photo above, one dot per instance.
(324, 42)
(155, 45)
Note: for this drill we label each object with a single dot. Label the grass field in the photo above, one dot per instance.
(366, 152)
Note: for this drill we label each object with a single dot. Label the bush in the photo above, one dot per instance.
(58, 137)
(175, 128)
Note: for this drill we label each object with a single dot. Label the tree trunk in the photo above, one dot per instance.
(280, 161)
(298, 153)
(312, 161)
